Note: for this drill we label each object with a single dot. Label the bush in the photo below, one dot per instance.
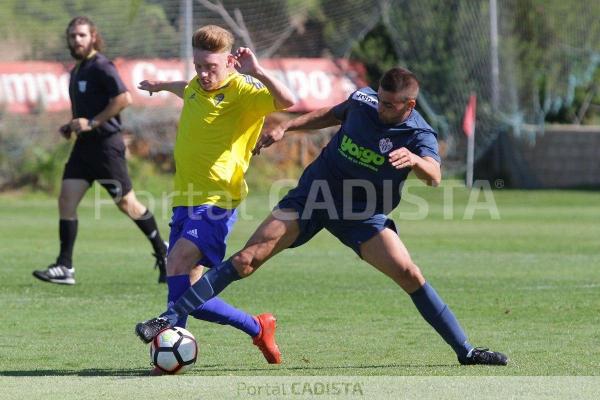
(32, 153)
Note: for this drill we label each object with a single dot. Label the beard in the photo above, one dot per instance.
(81, 53)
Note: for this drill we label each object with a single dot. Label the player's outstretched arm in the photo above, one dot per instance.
(175, 87)
(425, 168)
(248, 64)
(318, 119)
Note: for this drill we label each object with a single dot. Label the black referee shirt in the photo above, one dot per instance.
(93, 83)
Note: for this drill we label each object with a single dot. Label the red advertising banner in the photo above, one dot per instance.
(28, 85)
(33, 85)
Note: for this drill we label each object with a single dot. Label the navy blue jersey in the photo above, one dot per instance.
(93, 83)
(355, 162)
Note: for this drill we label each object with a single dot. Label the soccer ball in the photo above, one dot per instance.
(174, 350)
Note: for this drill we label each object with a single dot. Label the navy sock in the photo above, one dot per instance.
(207, 287)
(441, 318)
(216, 310)
(177, 286)
(67, 232)
(147, 224)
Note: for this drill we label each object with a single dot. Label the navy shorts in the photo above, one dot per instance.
(351, 232)
(207, 226)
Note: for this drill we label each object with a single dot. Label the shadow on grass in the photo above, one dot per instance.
(321, 368)
(136, 372)
(81, 372)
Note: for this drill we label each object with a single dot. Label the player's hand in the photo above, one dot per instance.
(402, 158)
(245, 61)
(150, 86)
(79, 125)
(65, 131)
(268, 138)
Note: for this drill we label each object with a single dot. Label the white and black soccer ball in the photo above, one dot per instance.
(174, 350)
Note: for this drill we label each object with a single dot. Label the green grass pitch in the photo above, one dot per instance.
(527, 284)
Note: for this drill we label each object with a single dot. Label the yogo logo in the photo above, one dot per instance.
(364, 156)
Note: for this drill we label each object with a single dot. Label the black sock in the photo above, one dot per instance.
(67, 232)
(147, 224)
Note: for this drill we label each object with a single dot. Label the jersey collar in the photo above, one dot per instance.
(223, 85)
(89, 57)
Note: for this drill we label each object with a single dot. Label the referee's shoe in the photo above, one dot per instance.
(56, 273)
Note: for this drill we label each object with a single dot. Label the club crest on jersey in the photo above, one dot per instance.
(82, 86)
(218, 98)
(385, 145)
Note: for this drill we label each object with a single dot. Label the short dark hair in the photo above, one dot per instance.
(82, 20)
(400, 79)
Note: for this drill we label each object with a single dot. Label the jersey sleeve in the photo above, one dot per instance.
(259, 99)
(340, 110)
(426, 145)
(111, 81)
(364, 95)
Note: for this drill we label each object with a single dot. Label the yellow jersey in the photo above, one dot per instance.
(217, 132)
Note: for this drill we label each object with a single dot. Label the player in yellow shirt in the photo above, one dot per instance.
(224, 107)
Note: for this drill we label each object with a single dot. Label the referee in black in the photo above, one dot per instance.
(97, 96)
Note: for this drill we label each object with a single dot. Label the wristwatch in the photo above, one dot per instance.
(93, 123)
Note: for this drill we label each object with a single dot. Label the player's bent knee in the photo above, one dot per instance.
(413, 274)
(123, 204)
(411, 278)
(65, 199)
(66, 207)
(131, 207)
(176, 267)
(408, 273)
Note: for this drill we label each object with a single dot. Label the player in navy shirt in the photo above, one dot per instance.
(354, 162)
(349, 190)
(97, 96)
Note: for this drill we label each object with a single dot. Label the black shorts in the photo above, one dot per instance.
(103, 161)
